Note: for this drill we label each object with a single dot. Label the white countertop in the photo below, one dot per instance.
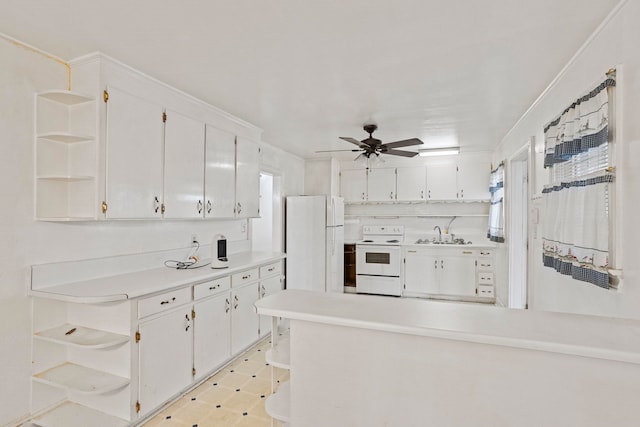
(151, 281)
(484, 245)
(588, 336)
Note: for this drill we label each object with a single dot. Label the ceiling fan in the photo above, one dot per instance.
(371, 145)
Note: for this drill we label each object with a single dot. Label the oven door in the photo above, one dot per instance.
(378, 260)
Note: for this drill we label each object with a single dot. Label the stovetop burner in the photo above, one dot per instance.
(391, 235)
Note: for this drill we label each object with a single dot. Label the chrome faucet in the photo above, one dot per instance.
(437, 227)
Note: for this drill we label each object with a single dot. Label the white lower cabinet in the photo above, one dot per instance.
(165, 357)
(244, 319)
(440, 271)
(212, 333)
(112, 364)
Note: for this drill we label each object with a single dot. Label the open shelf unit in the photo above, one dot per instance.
(278, 355)
(72, 414)
(278, 404)
(81, 372)
(66, 156)
(82, 337)
(80, 379)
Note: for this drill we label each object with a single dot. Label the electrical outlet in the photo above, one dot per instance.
(194, 238)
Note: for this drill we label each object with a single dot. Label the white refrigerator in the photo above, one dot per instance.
(315, 243)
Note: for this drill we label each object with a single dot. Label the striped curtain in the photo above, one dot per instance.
(575, 225)
(496, 210)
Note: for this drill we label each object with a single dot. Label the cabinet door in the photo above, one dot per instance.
(183, 167)
(220, 174)
(473, 180)
(211, 333)
(353, 185)
(458, 275)
(165, 358)
(268, 287)
(420, 273)
(381, 185)
(441, 181)
(134, 157)
(244, 319)
(411, 183)
(247, 179)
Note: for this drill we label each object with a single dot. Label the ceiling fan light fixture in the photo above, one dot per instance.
(376, 160)
(448, 151)
(361, 159)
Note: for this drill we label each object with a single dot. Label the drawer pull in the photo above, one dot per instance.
(213, 287)
(167, 301)
(271, 269)
(246, 277)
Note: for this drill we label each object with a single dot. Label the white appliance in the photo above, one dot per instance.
(219, 252)
(315, 243)
(379, 260)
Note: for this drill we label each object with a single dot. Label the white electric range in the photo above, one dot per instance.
(379, 260)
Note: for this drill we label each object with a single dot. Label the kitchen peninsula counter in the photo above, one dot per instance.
(362, 360)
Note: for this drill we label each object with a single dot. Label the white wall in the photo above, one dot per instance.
(24, 242)
(615, 44)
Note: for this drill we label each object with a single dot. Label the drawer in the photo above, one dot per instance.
(272, 269)
(485, 264)
(485, 252)
(485, 291)
(244, 277)
(163, 302)
(211, 288)
(485, 278)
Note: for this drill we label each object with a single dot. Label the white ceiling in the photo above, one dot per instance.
(307, 72)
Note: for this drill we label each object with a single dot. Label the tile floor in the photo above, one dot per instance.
(234, 396)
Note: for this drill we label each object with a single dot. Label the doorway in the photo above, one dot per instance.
(267, 231)
(518, 197)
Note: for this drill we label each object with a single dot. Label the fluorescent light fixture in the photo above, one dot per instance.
(439, 151)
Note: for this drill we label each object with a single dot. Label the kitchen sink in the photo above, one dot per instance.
(442, 242)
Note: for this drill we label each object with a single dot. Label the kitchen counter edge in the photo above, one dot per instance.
(150, 282)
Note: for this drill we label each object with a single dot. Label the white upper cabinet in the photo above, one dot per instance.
(183, 166)
(133, 156)
(247, 178)
(473, 180)
(353, 185)
(220, 176)
(381, 185)
(411, 184)
(120, 159)
(442, 181)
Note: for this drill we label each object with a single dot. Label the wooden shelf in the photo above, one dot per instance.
(82, 337)
(278, 356)
(278, 404)
(80, 379)
(66, 97)
(65, 137)
(73, 414)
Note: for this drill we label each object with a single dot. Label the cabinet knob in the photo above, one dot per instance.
(156, 204)
(227, 306)
(429, 194)
(391, 195)
(362, 196)
(187, 323)
(199, 206)
(208, 206)
(422, 194)
(239, 208)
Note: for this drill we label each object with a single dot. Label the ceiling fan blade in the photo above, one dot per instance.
(400, 153)
(403, 143)
(351, 140)
(355, 150)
